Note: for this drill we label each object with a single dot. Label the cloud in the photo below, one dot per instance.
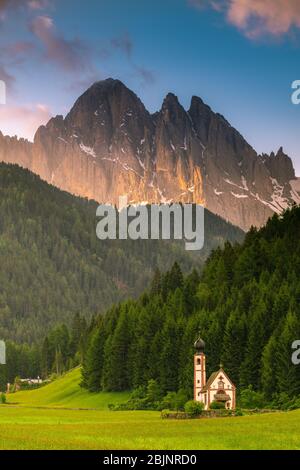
(38, 4)
(23, 121)
(31, 4)
(19, 48)
(257, 18)
(70, 55)
(124, 43)
(4, 4)
(147, 76)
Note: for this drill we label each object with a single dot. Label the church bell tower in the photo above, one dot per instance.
(199, 370)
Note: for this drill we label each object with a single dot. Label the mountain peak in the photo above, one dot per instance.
(108, 83)
(171, 107)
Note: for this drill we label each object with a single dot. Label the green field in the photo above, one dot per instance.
(52, 418)
(65, 392)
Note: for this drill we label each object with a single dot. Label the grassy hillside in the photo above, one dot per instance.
(66, 392)
(52, 265)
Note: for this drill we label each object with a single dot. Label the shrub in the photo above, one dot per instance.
(194, 407)
(165, 414)
(217, 405)
(3, 398)
(282, 401)
(153, 392)
(250, 399)
(174, 401)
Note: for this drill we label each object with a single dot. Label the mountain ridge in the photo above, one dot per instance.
(110, 145)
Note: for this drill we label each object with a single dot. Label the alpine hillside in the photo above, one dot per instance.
(52, 265)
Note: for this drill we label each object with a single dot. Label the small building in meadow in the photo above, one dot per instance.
(218, 388)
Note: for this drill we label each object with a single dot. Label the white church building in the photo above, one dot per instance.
(218, 388)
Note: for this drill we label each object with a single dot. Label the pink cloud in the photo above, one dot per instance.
(256, 18)
(38, 4)
(23, 121)
(18, 48)
(32, 4)
(71, 55)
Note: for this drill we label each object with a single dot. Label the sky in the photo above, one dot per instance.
(239, 56)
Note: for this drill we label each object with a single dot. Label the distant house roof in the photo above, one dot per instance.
(213, 377)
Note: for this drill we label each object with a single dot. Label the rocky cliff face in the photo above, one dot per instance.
(110, 145)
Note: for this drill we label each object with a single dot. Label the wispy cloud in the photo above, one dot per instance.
(30, 4)
(18, 48)
(38, 4)
(257, 18)
(124, 43)
(4, 4)
(147, 76)
(69, 54)
(23, 121)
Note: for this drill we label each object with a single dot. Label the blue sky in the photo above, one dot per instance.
(239, 56)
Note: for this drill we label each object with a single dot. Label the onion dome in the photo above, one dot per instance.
(199, 345)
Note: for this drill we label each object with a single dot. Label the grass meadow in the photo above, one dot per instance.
(63, 416)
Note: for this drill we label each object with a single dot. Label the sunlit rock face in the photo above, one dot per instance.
(110, 145)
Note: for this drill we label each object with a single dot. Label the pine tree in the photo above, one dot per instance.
(156, 286)
(45, 359)
(117, 363)
(93, 361)
(251, 366)
(234, 345)
(268, 373)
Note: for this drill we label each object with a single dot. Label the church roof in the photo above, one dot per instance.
(210, 380)
(213, 377)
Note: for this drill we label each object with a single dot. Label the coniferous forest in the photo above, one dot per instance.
(245, 304)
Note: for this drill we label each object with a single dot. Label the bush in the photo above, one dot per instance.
(165, 414)
(250, 399)
(153, 392)
(217, 405)
(174, 401)
(194, 407)
(282, 401)
(3, 398)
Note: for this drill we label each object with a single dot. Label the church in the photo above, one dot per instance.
(218, 388)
